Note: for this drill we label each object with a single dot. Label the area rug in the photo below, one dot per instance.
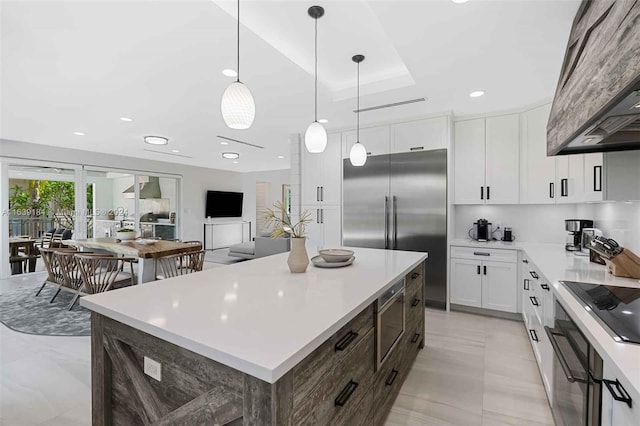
(222, 257)
(22, 311)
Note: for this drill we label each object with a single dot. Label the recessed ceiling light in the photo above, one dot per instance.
(127, 119)
(627, 312)
(323, 120)
(230, 155)
(175, 150)
(637, 105)
(224, 143)
(476, 94)
(79, 133)
(235, 162)
(281, 156)
(459, 1)
(229, 73)
(156, 140)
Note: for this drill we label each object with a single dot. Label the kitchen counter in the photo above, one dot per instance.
(256, 316)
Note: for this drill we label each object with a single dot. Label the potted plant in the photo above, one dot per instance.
(126, 234)
(280, 219)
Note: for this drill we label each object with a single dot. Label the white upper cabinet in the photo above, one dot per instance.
(375, 139)
(311, 178)
(421, 135)
(469, 164)
(487, 160)
(570, 179)
(502, 159)
(593, 177)
(537, 171)
(322, 174)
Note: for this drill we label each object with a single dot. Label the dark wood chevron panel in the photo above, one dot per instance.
(601, 62)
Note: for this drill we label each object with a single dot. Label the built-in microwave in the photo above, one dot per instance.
(390, 320)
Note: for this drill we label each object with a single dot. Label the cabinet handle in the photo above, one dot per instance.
(552, 192)
(544, 286)
(415, 275)
(482, 192)
(415, 337)
(415, 302)
(564, 187)
(597, 178)
(619, 394)
(317, 193)
(534, 335)
(392, 377)
(525, 261)
(317, 215)
(322, 193)
(534, 274)
(478, 269)
(534, 301)
(345, 341)
(346, 393)
(526, 284)
(485, 269)
(488, 192)
(416, 148)
(321, 215)
(481, 253)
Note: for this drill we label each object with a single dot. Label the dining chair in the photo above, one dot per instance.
(102, 273)
(45, 241)
(180, 264)
(56, 241)
(55, 276)
(71, 272)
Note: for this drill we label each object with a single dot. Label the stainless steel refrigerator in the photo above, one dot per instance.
(399, 202)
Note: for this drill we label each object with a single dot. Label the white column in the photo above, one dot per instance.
(4, 219)
(80, 214)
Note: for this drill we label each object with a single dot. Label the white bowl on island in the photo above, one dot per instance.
(126, 235)
(335, 255)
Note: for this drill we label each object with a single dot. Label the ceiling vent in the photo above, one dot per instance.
(237, 141)
(395, 104)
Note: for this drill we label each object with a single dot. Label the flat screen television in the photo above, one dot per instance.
(224, 204)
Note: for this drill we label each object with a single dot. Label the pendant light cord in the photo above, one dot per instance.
(238, 45)
(358, 107)
(315, 114)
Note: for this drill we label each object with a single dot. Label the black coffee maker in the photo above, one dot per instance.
(481, 230)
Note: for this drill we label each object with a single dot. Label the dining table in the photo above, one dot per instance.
(17, 259)
(146, 251)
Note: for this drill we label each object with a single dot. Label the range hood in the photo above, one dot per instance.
(149, 188)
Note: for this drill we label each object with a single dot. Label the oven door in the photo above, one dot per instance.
(391, 324)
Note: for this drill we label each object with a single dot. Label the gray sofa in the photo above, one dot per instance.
(261, 247)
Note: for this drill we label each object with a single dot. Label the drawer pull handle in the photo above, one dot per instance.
(346, 393)
(481, 253)
(415, 337)
(525, 261)
(544, 286)
(416, 148)
(534, 274)
(619, 394)
(534, 301)
(415, 275)
(526, 284)
(534, 335)
(345, 341)
(392, 377)
(415, 302)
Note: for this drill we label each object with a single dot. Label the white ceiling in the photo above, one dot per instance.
(80, 65)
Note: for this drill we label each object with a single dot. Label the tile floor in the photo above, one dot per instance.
(474, 370)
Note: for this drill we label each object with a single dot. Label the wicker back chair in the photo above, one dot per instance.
(55, 275)
(71, 272)
(101, 273)
(180, 264)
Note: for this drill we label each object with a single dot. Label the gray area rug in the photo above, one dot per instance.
(21, 311)
(221, 256)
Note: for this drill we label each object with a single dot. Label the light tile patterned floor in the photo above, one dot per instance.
(474, 370)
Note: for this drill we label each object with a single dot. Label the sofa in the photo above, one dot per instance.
(261, 247)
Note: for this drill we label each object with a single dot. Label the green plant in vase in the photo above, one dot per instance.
(280, 219)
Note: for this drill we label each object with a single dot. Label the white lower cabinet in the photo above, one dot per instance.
(324, 231)
(483, 283)
(617, 413)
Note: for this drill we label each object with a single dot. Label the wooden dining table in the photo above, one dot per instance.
(30, 254)
(145, 253)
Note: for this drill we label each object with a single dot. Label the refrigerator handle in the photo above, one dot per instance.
(395, 222)
(386, 222)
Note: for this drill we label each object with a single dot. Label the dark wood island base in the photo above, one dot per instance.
(337, 384)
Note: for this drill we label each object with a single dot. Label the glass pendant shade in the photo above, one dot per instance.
(358, 154)
(238, 107)
(315, 138)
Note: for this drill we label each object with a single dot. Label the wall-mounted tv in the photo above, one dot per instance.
(224, 204)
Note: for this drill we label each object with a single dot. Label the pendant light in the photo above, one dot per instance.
(315, 138)
(358, 153)
(238, 107)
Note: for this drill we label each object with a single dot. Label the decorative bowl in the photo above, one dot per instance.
(335, 255)
(126, 235)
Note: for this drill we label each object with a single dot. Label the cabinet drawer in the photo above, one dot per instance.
(387, 383)
(311, 370)
(338, 396)
(475, 253)
(414, 308)
(415, 279)
(413, 339)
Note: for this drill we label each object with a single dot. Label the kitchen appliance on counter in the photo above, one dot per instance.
(481, 230)
(507, 234)
(390, 320)
(589, 234)
(620, 262)
(577, 373)
(399, 202)
(574, 227)
(617, 308)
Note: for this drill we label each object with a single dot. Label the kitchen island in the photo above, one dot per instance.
(253, 344)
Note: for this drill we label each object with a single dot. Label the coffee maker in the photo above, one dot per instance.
(574, 227)
(481, 230)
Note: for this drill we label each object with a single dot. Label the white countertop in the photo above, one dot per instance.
(256, 316)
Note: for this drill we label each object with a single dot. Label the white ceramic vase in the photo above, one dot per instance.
(298, 258)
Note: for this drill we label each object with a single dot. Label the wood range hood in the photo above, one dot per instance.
(596, 107)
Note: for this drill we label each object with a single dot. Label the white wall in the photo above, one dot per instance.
(620, 221)
(276, 178)
(195, 180)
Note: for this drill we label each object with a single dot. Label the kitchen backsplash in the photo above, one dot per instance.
(545, 223)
